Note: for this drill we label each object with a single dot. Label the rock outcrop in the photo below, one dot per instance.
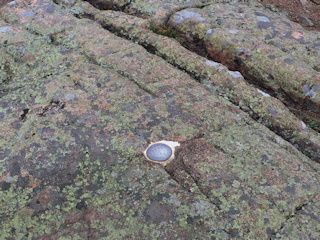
(85, 87)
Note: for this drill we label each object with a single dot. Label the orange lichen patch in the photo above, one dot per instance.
(164, 30)
(42, 198)
(3, 2)
(80, 106)
(5, 131)
(272, 176)
(317, 197)
(34, 184)
(83, 217)
(27, 211)
(3, 177)
(294, 25)
(24, 173)
(297, 35)
(102, 99)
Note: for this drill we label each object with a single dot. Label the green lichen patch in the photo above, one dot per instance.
(230, 84)
(228, 43)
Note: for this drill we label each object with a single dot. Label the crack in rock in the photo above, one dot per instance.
(116, 22)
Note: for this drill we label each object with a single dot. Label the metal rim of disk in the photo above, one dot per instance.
(159, 152)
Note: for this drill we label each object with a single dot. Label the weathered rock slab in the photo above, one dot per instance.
(78, 107)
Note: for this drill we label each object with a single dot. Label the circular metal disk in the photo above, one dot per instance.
(159, 152)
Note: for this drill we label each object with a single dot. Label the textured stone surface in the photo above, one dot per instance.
(231, 84)
(83, 92)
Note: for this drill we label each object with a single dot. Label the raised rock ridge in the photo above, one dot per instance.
(83, 91)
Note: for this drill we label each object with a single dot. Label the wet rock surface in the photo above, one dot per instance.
(85, 90)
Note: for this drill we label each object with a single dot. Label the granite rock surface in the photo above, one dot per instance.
(86, 86)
